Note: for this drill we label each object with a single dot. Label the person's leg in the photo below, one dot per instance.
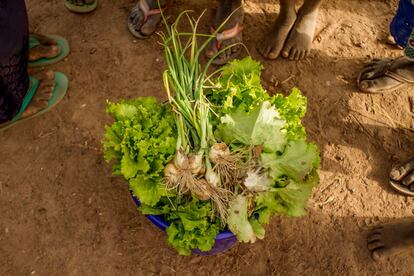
(234, 24)
(14, 79)
(145, 17)
(300, 39)
(272, 43)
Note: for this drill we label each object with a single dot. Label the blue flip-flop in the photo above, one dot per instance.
(60, 42)
(59, 92)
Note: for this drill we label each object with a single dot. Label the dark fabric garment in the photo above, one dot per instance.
(14, 50)
(402, 24)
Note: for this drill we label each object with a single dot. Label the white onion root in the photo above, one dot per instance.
(226, 164)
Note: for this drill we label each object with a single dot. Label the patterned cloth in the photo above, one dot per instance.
(14, 79)
(409, 50)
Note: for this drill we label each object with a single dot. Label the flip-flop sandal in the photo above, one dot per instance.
(144, 7)
(59, 92)
(402, 81)
(223, 36)
(401, 188)
(61, 43)
(85, 8)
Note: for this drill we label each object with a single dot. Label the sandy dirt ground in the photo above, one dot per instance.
(62, 213)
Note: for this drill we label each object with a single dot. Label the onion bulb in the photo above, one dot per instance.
(202, 190)
(195, 163)
(218, 151)
(180, 160)
(212, 178)
(257, 182)
(171, 173)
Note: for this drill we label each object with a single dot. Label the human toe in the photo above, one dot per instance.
(399, 172)
(379, 254)
(375, 245)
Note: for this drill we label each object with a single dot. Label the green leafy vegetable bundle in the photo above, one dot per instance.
(221, 154)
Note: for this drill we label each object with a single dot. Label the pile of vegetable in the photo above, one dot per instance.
(221, 154)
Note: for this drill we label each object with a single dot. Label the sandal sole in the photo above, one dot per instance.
(61, 87)
(401, 188)
(64, 51)
(81, 9)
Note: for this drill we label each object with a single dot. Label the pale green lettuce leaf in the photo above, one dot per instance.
(290, 200)
(294, 196)
(148, 190)
(122, 111)
(258, 229)
(261, 126)
(296, 162)
(238, 221)
(130, 167)
(257, 182)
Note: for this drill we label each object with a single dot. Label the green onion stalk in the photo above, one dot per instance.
(192, 170)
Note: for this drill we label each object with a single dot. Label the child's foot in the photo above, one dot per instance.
(300, 39)
(230, 34)
(388, 240)
(272, 43)
(46, 49)
(43, 94)
(145, 17)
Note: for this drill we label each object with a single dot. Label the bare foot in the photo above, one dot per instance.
(388, 240)
(145, 17)
(46, 49)
(299, 42)
(43, 94)
(225, 9)
(272, 43)
(404, 175)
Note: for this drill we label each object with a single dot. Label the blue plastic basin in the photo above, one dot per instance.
(224, 240)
